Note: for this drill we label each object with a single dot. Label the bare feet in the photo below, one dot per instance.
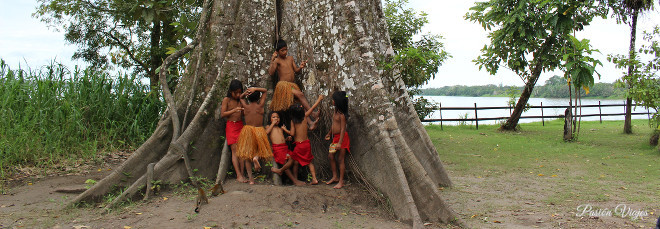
(339, 185)
(241, 179)
(298, 183)
(278, 171)
(257, 165)
(333, 180)
(314, 182)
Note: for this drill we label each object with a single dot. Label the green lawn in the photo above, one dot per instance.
(510, 169)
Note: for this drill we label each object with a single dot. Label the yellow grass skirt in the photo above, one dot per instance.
(253, 141)
(283, 96)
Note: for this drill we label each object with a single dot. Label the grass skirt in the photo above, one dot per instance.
(283, 96)
(253, 141)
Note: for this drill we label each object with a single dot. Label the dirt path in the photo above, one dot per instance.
(36, 204)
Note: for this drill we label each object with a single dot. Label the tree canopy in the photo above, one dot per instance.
(528, 36)
(128, 34)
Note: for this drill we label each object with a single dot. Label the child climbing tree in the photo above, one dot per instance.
(392, 150)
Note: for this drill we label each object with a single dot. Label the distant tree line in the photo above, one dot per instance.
(555, 87)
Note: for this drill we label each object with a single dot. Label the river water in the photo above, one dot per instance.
(462, 101)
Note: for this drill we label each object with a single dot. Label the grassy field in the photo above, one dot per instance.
(498, 173)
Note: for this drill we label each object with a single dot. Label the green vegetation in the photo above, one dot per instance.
(528, 37)
(644, 82)
(125, 33)
(555, 87)
(416, 61)
(628, 12)
(53, 114)
(603, 165)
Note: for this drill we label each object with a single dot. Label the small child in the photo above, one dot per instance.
(253, 140)
(286, 88)
(340, 141)
(303, 151)
(232, 110)
(281, 151)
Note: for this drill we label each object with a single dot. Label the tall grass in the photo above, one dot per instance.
(52, 113)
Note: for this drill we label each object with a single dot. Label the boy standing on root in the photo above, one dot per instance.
(253, 141)
(340, 142)
(303, 151)
(281, 151)
(232, 110)
(286, 88)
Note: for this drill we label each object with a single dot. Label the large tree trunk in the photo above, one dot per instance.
(343, 41)
(627, 124)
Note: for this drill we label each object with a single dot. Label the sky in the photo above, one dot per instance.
(26, 40)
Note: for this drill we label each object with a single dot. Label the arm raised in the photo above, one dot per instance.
(316, 104)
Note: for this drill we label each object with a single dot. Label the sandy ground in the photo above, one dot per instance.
(37, 204)
(515, 202)
(488, 202)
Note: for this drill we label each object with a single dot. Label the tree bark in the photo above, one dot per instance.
(627, 125)
(512, 122)
(154, 55)
(343, 41)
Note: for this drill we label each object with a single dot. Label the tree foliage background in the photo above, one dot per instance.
(416, 57)
(644, 82)
(130, 34)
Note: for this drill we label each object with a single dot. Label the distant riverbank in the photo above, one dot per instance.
(555, 87)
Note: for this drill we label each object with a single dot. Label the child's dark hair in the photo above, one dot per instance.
(278, 114)
(280, 44)
(233, 86)
(297, 113)
(254, 97)
(341, 102)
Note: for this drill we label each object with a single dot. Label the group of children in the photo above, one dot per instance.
(249, 142)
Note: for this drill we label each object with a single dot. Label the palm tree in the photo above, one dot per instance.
(630, 9)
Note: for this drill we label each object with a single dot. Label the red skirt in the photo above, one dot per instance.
(303, 153)
(281, 153)
(345, 144)
(233, 130)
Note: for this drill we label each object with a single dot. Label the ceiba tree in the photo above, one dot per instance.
(343, 41)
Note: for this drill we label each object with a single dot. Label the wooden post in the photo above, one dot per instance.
(542, 118)
(441, 128)
(476, 118)
(600, 113)
(150, 178)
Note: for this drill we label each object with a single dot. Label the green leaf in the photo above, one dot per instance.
(171, 50)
